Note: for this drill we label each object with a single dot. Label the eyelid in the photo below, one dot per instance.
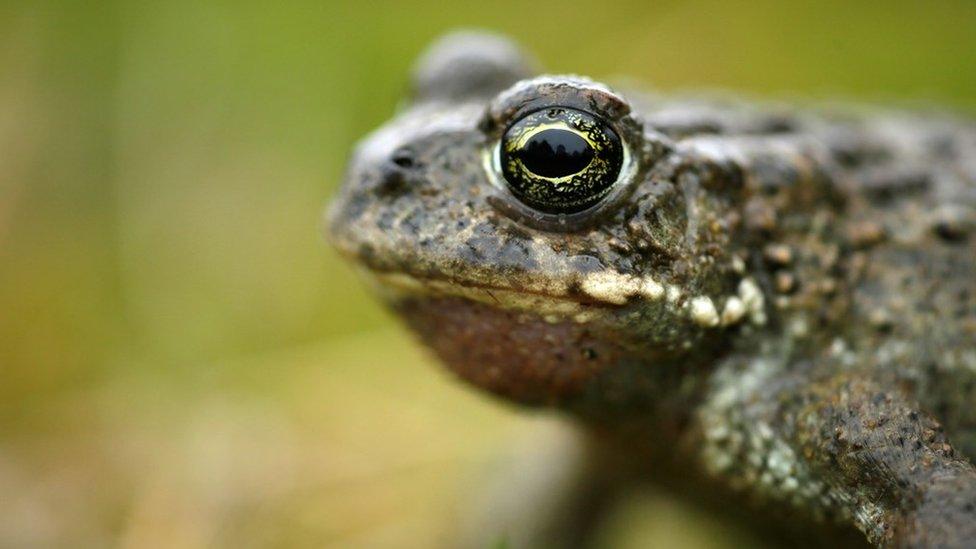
(546, 92)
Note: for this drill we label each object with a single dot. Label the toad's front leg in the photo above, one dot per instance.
(843, 446)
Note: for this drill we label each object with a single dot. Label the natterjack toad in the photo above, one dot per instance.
(736, 300)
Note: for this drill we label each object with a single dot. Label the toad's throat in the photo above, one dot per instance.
(521, 357)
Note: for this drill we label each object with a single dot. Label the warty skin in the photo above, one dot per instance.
(774, 305)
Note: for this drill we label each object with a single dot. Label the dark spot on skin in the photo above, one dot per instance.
(574, 289)
(367, 253)
(949, 231)
(392, 182)
(355, 209)
(488, 230)
(487, 244)
(412, 223)
(778, 124)
(516, 232)
(885, 327)
(471, 253)
(586, 264)
(885, 184)
(395, 175)
(515, 252)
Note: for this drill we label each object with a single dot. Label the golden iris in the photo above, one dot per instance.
(560, 160)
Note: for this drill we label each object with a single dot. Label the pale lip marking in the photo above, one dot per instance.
(608, 287)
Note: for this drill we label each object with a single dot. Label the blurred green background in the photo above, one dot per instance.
(184, 363)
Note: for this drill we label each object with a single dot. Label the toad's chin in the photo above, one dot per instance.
(520, 356)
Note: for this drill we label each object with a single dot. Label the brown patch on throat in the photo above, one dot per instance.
(515, 355)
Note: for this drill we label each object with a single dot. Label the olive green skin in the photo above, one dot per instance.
(779, 303)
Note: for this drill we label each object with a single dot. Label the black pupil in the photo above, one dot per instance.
(555, 153)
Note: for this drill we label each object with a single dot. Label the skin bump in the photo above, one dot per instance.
(610, 286)
(733, 311)
(651, 289)
(703, 312)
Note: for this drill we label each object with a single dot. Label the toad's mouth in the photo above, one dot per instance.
(590, 297)
(550, 305)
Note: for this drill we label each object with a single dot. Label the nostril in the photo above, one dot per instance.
(395, 174)
(404, 158)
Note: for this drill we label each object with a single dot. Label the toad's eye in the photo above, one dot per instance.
(560, 160)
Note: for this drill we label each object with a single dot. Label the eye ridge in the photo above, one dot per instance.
(560, 160)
